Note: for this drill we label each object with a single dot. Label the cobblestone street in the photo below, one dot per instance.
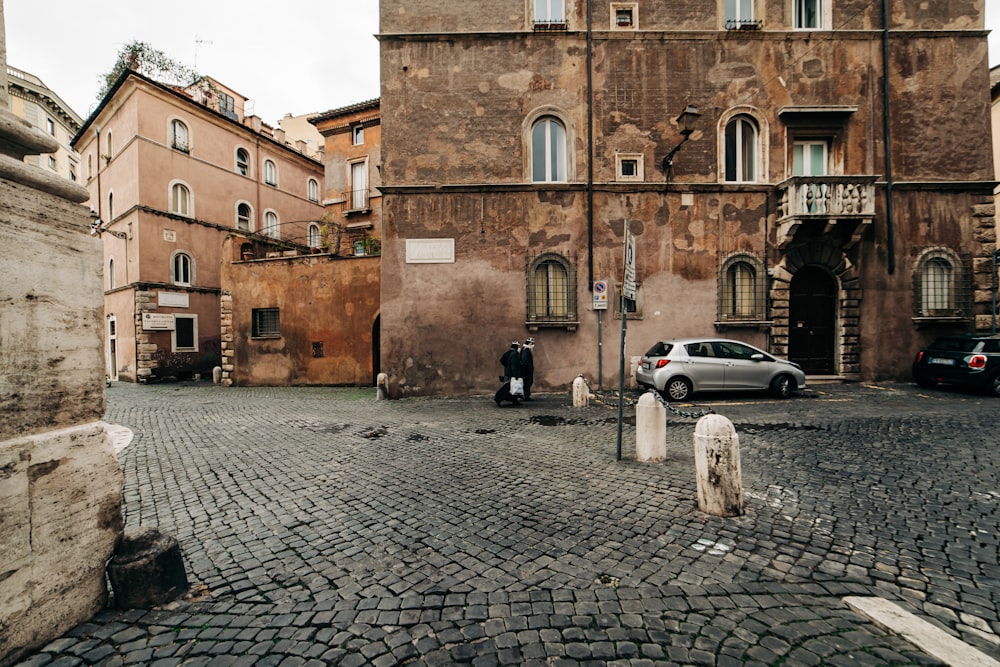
(320, 526)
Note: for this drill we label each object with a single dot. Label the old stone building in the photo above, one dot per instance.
(813, 177)
(171, 172)
(33, 101)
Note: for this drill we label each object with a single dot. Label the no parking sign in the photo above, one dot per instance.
(600, 295)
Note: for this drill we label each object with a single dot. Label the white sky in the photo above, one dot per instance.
(293, 56)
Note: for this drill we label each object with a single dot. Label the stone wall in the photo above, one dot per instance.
(60, 484)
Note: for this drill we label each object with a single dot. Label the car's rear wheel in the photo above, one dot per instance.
(677, 389)
(783, 385)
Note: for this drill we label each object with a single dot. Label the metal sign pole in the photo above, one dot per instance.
(628, 292)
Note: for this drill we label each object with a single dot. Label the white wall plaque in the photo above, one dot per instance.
(170, 235)
(157, 322)
(430, 251)
(173, 299)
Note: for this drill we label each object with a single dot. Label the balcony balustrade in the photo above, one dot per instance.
(828, 201)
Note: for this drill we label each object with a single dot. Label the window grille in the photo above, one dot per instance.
(552, 291)
(266, 323)
(942, 285)
(742, 289)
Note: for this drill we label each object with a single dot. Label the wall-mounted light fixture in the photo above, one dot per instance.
(685, 121)
(97, 227)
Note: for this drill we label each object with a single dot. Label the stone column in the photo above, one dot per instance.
(60, 483)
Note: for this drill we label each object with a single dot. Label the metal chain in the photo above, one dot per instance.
(610, 399)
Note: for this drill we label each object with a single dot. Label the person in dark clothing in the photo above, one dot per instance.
(528, 367)
(511, 362)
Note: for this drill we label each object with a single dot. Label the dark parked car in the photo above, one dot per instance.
(964, 361)
(678, 368)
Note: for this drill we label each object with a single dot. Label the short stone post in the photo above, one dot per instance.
(147, 570)
(381, 387)
(581, 393)
(217, 375)
(717, 465)
(650, 429)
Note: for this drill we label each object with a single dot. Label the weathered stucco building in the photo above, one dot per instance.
(831, 202)
(171, 172)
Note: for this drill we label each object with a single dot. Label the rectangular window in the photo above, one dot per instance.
(630, 167)
(624, 16)
(807, 14)
(266, 323)
(185, 334)
(227, 105)
(52, 162)
(50, 126)
(550, 14)
(740, 15)
(359, 135)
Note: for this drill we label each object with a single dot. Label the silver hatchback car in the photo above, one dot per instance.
(678, 368)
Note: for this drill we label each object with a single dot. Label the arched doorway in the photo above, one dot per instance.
(812, 320)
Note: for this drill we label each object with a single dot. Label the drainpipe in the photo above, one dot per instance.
(887, 137)
(590, 151)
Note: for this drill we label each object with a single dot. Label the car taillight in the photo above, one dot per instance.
(662, 362)
(920, 355)
(977, 361)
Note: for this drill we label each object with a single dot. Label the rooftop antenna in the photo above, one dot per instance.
(197, 43)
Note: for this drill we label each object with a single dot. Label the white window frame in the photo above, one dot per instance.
(739, 123)
(272, 224)
(632, 8)
(177, 260)
(554, 161)
(312, 190)
(270, 173)
(640, 171)
(804, 166)
(179, 135)
(242, 166)
(740, 10)
(314, 235)
(820, 14)
(177, 207)
(358, 135)
(550, 11)
(249, 219)
(194, 333)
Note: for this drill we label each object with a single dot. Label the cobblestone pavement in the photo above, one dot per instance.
(320, 527)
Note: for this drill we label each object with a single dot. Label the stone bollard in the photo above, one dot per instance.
(217, 375)
(381, 387)
(581, 393)
(717, 465)
(650, 429)
(147, 570)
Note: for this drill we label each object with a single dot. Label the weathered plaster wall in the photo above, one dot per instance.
(60, 484)
(332, 301)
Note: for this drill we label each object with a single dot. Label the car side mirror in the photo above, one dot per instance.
(757, 357)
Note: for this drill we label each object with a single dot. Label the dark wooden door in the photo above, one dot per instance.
(812, 318)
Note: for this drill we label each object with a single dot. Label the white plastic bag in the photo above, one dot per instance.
(516, 387)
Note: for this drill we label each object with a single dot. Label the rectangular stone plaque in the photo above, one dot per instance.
(430, 251)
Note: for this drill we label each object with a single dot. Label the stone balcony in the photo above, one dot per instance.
(826, 203)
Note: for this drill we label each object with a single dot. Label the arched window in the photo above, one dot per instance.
(314, 235)
(111, 273)
(548, 151)
(242, 162)
(939, 285)
(313, 189)
(741, 289)
(741, 150)
(244, 216)
(270, 173)
(182, 269)
(551, 291)
(180, 199)
(111, 206)
(109, 148)
(178, 135)
(271, 224)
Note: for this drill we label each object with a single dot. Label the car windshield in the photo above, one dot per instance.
(964, 345)
(659, 350)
